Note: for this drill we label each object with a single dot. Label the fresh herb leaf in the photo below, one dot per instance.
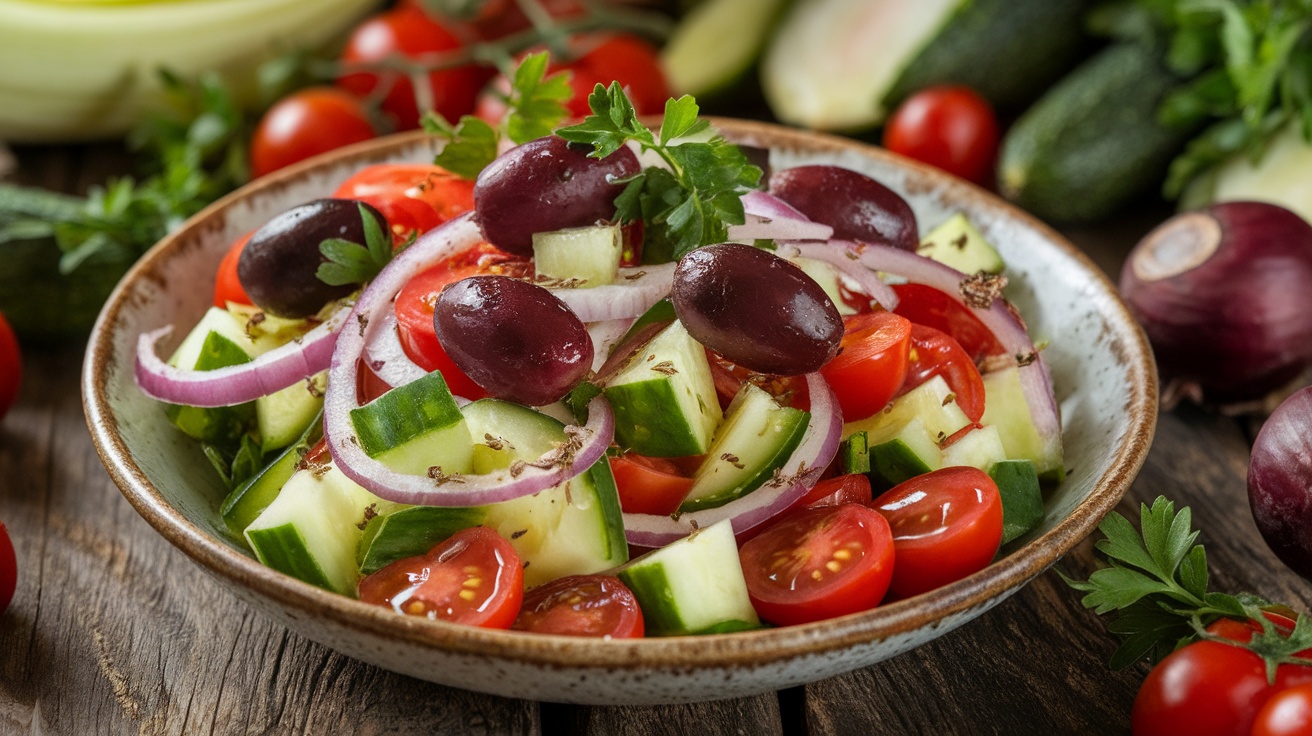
(352, 263)
(469, 146)
(235, 465)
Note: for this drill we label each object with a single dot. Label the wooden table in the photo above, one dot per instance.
(114, 631)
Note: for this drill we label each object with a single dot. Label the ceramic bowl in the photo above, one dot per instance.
(1101, 364)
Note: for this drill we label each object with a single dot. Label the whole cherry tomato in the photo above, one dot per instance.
(950, 127)
(11, 367)
(305, 123)
(1286, 713)
(582, 605)
(8, 569)
(415, 198)
(871, 363)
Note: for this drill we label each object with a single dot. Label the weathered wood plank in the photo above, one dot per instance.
(752, 716)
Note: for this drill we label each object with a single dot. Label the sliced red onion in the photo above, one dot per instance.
(387, 358)
(818, 447)
(842, 260)
(604, 337)
(771, 218)
(587, 443)
(633, 293)
(265, 374)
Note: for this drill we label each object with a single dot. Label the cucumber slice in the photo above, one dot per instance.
(1005, 408)
(756, 439)
(957, 243)
(828, 278)
(282, 416)
(903, 456)
(1022, 500)
(717, 44)
(979, 448)
(692, 585)
(664, 400)
(581, 257)
(399, 532)
(415, 427)
(931, 401)
(248, 500)
(217, 341)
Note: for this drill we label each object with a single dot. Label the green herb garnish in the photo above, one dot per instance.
(352, 263)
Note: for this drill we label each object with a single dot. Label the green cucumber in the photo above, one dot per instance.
(1092, 143)
(251, 498)
(1005, 408)
(828, 278)
(691, 586)
(217, 341)
(1022, 500)
(716, 45)
(581, 257)
(755, 440)
(415, 428)
(398, 532)
(854, 453)
(903, 456)
(282, 416)
(664, 399)
(957, 243)
(932, 402)
(978, 448)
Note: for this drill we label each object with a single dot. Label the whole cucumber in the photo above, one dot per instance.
(44, 305)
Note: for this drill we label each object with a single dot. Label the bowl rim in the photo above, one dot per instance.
(686, 653)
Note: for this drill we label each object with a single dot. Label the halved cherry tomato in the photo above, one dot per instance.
(227, 286)
(934, 353)
(415, 198)
(948, 126)
(649, 485)
(472, 578)
(850, 488)
(871, 363)
(819, 563)
(930, 307)
(305, 123)
(8, 568)
(582, 605)
(946, 525)
(414, 313)
(11, 367)
(730, 377)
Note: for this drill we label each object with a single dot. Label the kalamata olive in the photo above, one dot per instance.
(513, 338)
(756, 309)
(854, 205)
(544, 185)
(277, 267)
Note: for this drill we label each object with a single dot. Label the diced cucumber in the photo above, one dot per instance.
(264, 330)
(664, 400)
(217, 341)
(282, 416)
(756, 439)
(399, 532)
(978, 448)
(1022, 500)
(217, 321)
(582, 257)
(692, 585)
(959, 244)
(854, 453)
(904, 455)
(312, 529)
(251, 498)
(415, 427)
(1005, 408)
(932, 401)
(717, 44)
(828, 278)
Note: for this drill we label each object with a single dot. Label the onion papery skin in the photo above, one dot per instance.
(1280, 482)
(1237, 323)
(817, 449)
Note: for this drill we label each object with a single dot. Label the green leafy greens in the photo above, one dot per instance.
(355, 263)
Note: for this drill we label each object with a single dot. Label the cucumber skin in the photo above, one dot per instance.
(1008, 51)
(1092, 143)
(44, 306)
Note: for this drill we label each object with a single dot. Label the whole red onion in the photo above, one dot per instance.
(1280, 482)
(1225, 296)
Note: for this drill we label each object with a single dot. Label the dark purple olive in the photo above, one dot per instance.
(1280, 482)
(544, 185)
(513, 338)
(756, 309)
(854, 205)
(277, 267)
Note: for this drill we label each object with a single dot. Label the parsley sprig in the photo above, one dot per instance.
(1156, 586)
(355, 263)
(690, 203)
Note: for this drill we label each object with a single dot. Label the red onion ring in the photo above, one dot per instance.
(265, 374)
(771, 218)
(589, 441)
(817, 449)
(388, 360)
(868, 280)
(634, 293)
(604, 336)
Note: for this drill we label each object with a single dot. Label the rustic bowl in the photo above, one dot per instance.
(1101, 365)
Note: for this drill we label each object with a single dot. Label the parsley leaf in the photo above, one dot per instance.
(353, 263)
(470, 145)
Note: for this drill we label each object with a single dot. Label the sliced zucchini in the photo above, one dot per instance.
(957, 243)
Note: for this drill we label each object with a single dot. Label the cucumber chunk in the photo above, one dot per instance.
(399, 532)
(248, 500)
(1005, 408)
(959, 244)
(717, 44)
(979, 448)
(217, 341)
(582, 257)
(1022, 500)
(931, 401)
(903, 456)
(693, 585)
(282, 416)
(415, 427)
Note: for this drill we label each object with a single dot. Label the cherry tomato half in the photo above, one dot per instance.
(11, 367)
(415, 198)
(582, 605)
(8, 569)
(935, 353)
(850, 488)
(950, 127)
(871, 363)
(930, 307)
(819, 563)
(649, 485)
(472, 578)
(1286, 713)
(946, 525)
(227, 286)
(305, 123)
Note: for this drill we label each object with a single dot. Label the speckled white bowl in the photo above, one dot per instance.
(1101, 365)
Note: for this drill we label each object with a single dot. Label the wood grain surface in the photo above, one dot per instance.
(113, 631)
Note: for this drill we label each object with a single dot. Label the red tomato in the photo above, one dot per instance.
(851, 488)
(582, 605)
(8, 568)
(729, 378)
(11, 367)
(871, 363)
(473, 578)
(305, 123)
(414, 314)
(1202, 689)
(415, 198)
(649, 485)
(934, 353)
(930, 307)
(818, 563)
(950, 127)
(1287, 713)
(409, 33)
(946, 525)
(227, 287)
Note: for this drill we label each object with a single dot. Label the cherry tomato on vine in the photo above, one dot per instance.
(410, 33)
(472, 578)
(946, 525)
(305, 123)
(1206, 688)
(227, 287)
(8, 569)
(11, 367)
(415, 198)
(582, 605)
(948, 126)
(871, 363)
(649, 485)
(930, 307)
(1286, 713)
(934, 353)
(818, 563)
